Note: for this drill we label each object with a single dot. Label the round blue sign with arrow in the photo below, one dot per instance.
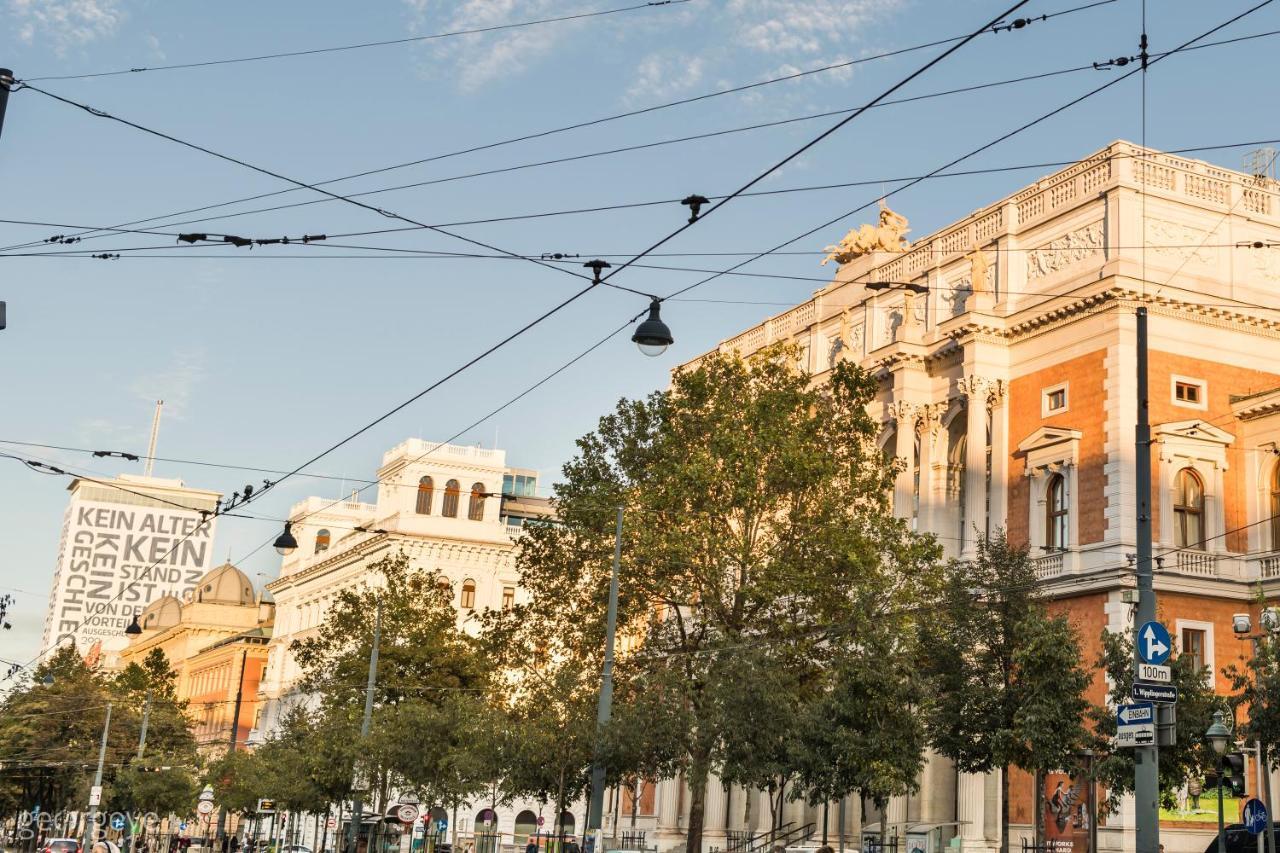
(1254, 816)
(1154, 644)
(117, 821)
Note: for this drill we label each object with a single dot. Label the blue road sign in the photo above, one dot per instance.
(117, 821)
(182, 826)
(1135, 724)
(1154, 644)
(1254, 817)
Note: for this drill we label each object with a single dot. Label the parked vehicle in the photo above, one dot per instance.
(61, 845)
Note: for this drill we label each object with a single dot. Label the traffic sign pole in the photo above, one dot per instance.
(1146, 781)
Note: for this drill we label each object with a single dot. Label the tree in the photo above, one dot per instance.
(1187, 757)
(424, 663)
(756, 516)
(1008, 680)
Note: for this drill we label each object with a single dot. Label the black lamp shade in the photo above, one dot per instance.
(652, 335)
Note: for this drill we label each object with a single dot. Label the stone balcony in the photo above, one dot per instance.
(1171, 563)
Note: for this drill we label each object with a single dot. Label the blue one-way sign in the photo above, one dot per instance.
(1165, 694)
(1135, 724)
(1154, 644)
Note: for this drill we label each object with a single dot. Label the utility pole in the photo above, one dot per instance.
(95, 793)
(244, 657)
(605, 709)
(6, 80)
(357, 807)
(1146, 783)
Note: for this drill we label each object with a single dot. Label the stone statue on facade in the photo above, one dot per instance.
(885, 237)
(978, 266)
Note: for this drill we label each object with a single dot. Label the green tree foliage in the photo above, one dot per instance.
(1186, 758)
(51, 728)
(1008, 680)
(756, 516)
(1256, 695)
(425, 665)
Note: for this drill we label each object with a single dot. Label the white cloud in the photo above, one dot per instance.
(65, 23)
(153, 42)
(663, 76)
(174, 384)
(806, 27)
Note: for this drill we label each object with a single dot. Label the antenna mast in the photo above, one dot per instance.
(155, 433)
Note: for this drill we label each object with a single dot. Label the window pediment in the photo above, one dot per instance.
(1194, 431)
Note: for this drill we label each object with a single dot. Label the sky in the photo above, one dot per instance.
(266, 356)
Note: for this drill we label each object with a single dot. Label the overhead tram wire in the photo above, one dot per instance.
(596, 121)
(92, 233)
(62, 239)
(1187, 45)
(97, 113)
(363, 45)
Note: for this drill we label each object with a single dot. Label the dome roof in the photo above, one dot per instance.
(224, 585)
(164, 612)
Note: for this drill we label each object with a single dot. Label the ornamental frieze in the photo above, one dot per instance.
(1065, 251)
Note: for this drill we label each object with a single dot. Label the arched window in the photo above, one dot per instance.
(1055, 514)
(566, 822)
(449, 508)
(526, 825)
(887, 451)
(1188, 510)
(426, 488)
(475, 509)
(322, 541)
(469, 594)
(1275, 508)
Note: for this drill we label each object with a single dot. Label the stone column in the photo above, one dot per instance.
(896, 819)
(668, 794)
(999, 454)
(975, 463)
(715, 809)
(903, 414)
(971, 810)
(928, 423)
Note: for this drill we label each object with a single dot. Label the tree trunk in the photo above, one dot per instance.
(1004, 809)
(750, 794)
(699, 770)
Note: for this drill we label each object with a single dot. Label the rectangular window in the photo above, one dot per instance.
(508, 597)
(1190, 392)
(507, 482)
(1193, 646)
(1053, 400)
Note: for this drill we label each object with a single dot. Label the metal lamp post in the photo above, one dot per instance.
(1218, 737)
(604, 708)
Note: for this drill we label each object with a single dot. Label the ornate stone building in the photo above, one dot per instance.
(1004, 345)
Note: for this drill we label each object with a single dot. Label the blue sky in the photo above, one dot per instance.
(265, 360)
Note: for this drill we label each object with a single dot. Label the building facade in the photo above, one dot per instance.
(125, 543)
(215, 637)
(1005, 349)
(450, 509)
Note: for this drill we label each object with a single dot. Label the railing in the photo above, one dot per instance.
(760, 842)
(1196, 563)
(1050, 565)
(781, 839)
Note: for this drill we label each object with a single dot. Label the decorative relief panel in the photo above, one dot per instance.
(1178, 242)
(1065, 251)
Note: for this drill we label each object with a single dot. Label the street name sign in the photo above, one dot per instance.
(1153, 672)
(1254, 816)
(1164, 694)
(95, 795)
(1154, 643)
(1135, 724)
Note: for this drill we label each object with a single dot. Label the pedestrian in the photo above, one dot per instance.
(532, 846)
(234, 844)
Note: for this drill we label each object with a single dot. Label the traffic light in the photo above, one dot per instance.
(1233, 766)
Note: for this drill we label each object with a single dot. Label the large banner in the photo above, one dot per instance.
(114, 560)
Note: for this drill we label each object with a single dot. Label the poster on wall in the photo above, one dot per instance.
(1067, 810)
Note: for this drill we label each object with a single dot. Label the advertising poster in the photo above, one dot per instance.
(1066, 813)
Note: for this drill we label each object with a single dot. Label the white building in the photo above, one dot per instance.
(125, 543)
(436, 504)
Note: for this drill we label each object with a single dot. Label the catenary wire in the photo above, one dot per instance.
(597, 121)
(364, 45)
(974, 152)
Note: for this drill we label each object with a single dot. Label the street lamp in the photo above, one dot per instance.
(285, 544)
(914, 287)
(134, 628)
(1218, 736)
(652, 336)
